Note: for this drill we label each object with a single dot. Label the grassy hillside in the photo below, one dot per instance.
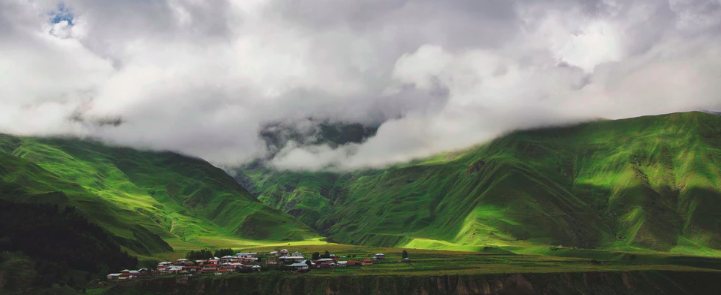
(650, 183)
(145, 198)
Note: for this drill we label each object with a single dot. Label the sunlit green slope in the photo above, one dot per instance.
(145, 198)
(642, 183)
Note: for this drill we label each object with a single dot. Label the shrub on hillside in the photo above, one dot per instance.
(59, 241)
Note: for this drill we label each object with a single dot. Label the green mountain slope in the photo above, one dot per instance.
(145, 198)
(642, 183)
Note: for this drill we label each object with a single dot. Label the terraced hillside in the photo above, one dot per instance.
(643, 183)
(151, 201)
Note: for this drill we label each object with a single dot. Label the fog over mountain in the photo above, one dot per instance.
(207, 78)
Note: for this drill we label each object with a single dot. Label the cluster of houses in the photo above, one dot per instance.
(244, 262)
(127, 274)
(296, 261)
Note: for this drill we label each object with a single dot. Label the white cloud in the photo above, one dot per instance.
(203, 77)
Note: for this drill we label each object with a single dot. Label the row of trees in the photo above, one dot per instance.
(317, 255)
(207, 253)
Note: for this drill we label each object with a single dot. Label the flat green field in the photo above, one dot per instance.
(490, 260)
(456, 272)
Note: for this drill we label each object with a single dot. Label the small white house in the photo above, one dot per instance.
(247, 255)
(291, 259)
(174, 268)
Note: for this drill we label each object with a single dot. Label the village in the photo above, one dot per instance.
(282, 260)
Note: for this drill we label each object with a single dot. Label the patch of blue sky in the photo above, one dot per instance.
(62, 13)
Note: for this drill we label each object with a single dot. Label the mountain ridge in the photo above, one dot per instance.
(642, 183)
(149, 200)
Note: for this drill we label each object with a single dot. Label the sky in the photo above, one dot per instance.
(203, 77)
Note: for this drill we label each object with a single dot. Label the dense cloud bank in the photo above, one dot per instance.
(205, 77)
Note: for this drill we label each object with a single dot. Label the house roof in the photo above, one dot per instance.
(292, 257)
(298, 265)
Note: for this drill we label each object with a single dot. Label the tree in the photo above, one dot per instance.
(224, 252)
(405, 254)
(200, 254)
(326, 254)
(151, 264)
(307, 262)
(315, 256)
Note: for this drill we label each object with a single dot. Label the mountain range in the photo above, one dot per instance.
(648, 183)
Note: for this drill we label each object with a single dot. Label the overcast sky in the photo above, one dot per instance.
(201, 77)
